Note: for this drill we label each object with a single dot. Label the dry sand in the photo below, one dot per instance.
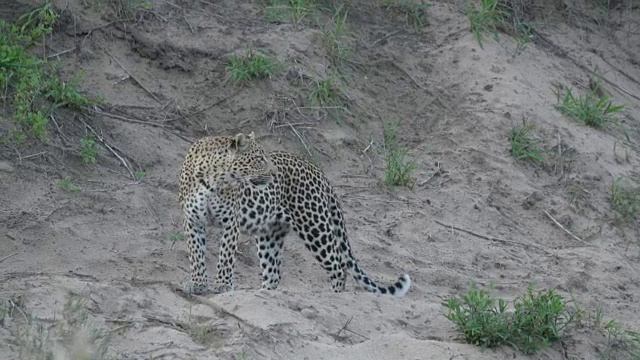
(112, 243)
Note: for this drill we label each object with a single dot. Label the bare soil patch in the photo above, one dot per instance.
(474, 213)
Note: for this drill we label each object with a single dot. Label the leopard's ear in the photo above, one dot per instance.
(241, 141)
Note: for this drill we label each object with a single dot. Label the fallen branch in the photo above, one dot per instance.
(133, 77)
(141, 122)
(128, 119)
(215, 307)
(344, 328)
(104, 142)
(9, 256)
(384, 38)
(217, 102)
(562, 53)
(60, 53)
(565, 229)
(437, 172)
(188, 23)
(491, 238)
(304, 143)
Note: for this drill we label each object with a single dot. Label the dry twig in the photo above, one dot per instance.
(304, 143)
(438, 169)
(9, 256)
(215, 307)
(491, 238)
(133, 77)
(217, 102)
(104, 142)
(565, 229)
(344, 328)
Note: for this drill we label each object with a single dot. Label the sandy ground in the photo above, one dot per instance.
(163, 81)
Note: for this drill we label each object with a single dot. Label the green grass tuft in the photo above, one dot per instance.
(622, 342)
(625, 199)
(415, 12)
(523, 146)
(70, 335)
(399, 168)
(30, 86)
(326, 95)
(89, 149)
(540, 319)
(487, 20)
(590, 109)
(334, 37)
(297, 10)
(68, 186)
(252, 65)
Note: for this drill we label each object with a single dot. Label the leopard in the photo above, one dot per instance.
(235, 184)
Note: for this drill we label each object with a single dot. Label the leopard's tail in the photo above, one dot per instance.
(399, 288)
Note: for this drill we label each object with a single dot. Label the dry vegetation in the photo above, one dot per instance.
(489, 148)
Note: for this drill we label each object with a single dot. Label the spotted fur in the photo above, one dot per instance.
(233, 182)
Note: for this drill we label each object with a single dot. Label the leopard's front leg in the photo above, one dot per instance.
(227, 257)
(194, 228)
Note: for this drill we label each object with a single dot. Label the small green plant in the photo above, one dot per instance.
(126, 9)
(334, 36)
(175, 238)
(31, 88)
(479, 319)
(68, 93)
(326, 95)
(488, 19)
(140, 175)
(416, 13)
(297, 10)
(625, 199)
(523, 146)
(540, 319)
(67, 185)
(242, 355)
(249, 66)
(523, 33)
(622, 343)
(399, 169)
(591, 109)
(38, 22)
(204, 333)
(70, 335)
(89, 149)
(578, 196)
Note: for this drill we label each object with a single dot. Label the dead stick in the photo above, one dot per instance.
(491, 238)
(135, 121)
(565, 229)
(384, 38)
(9, 256)
(620, 88)
(304, 143)
(60, 53)
(345, 326)
(104, 142)
(619, 70)
(133, 77)
(188, 23)
(217, 102)
(215, 307)
(128, 119)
